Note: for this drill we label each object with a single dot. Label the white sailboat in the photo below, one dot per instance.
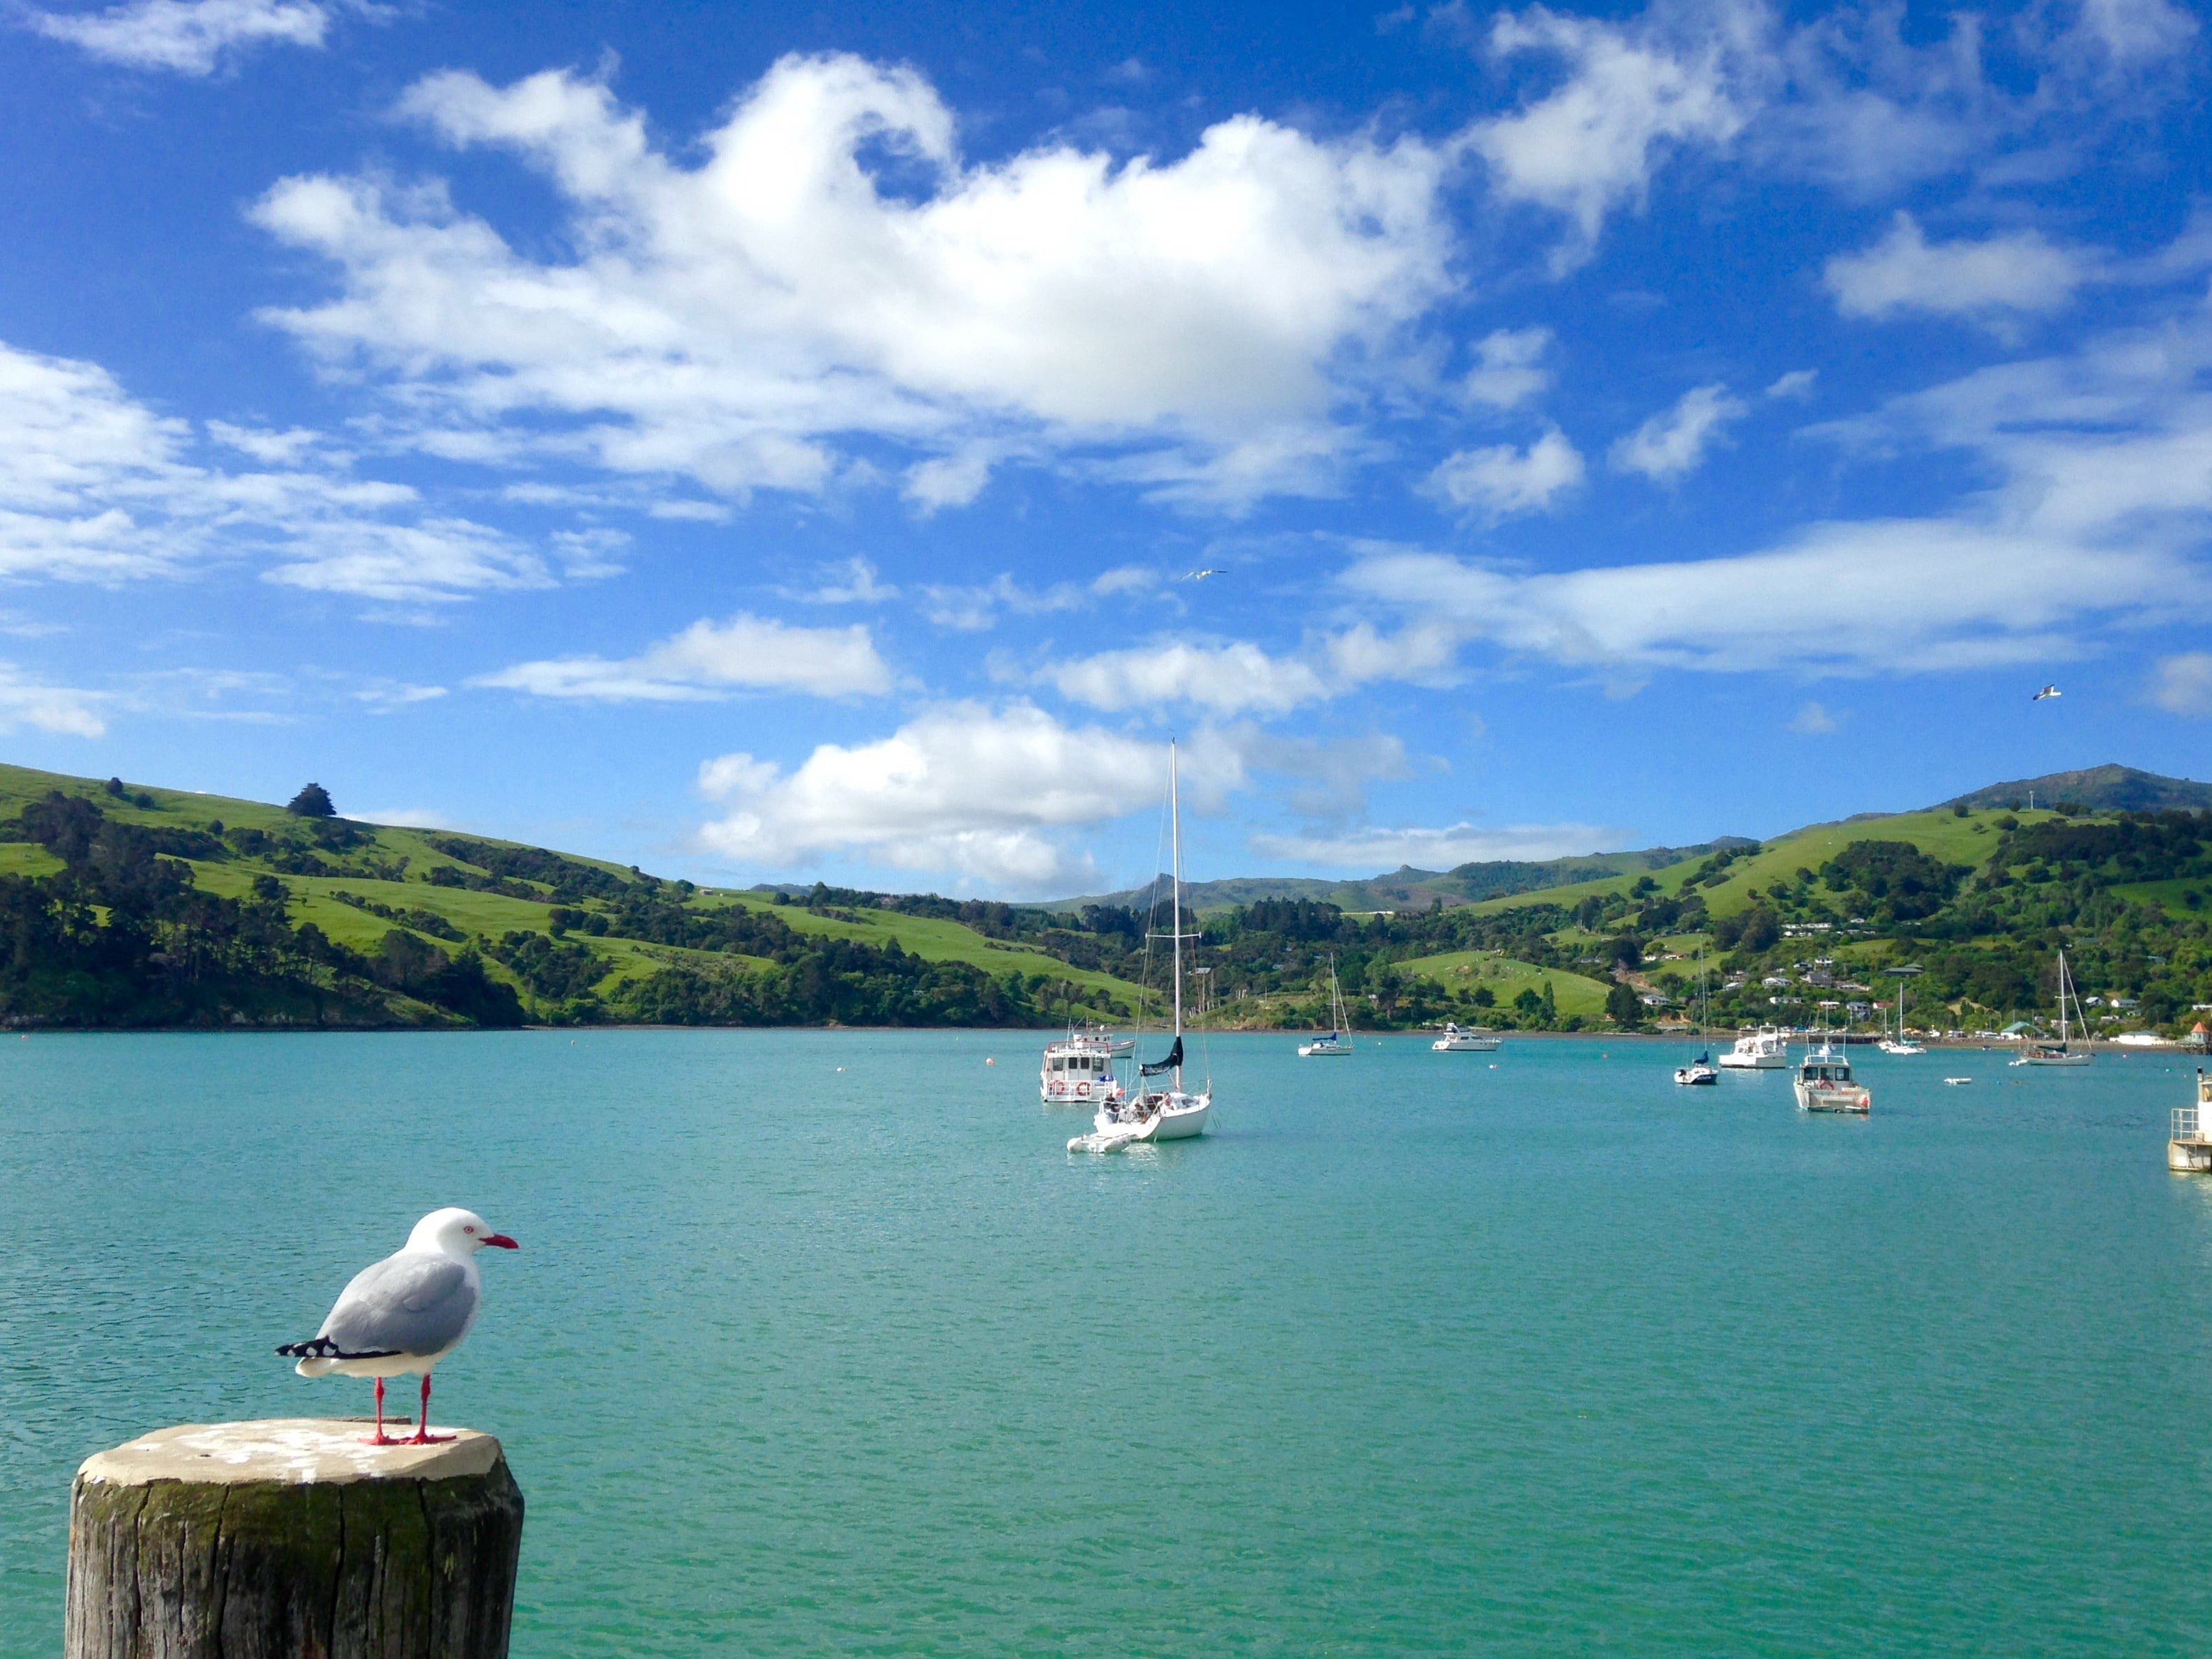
(1900, 1044)
(2041, 1051)
(1700, 1072)
(1339, 1040)
(1171, 1112)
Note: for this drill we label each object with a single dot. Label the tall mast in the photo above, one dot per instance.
(1174, 899)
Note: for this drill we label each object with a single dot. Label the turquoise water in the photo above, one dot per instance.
(1411, 1355)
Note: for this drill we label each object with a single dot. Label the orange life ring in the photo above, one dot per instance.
(1082, 1089)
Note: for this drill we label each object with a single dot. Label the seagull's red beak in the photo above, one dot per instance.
(502, 1241)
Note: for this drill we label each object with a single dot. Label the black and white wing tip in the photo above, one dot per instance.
(321, 1347)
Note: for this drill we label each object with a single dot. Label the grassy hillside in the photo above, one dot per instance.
(137, 904)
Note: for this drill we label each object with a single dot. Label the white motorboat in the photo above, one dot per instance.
(1763, 1050)
(1078, 1070)
(1338, 1039)
(1900, 1043)
(1171, 1112)
(1824, 1083)
(2041, 1051)
(1467, 1039)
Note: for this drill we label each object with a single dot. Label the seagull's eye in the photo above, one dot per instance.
(468, 1230)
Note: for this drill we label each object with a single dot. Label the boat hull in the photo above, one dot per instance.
(1853, 1102)
(2053, 1059)
(1324, 1050)
(1735, 1062)
(1466, 1045)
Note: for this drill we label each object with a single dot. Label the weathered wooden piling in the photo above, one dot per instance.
(290, 1538)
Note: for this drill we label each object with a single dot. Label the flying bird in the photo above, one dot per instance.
(2047, 691)
(1200, 575)
(404, 1313)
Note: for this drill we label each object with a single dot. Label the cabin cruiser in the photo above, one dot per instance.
(1824, 1083)
(1079, 1069)
(1763, 1050)
(1465, 1040)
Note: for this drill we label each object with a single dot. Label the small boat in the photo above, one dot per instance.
(1465, 1040)
(1079, 1069)
(1824, 1083)
(1338, 1039)
(1763, 1050)
(2041, 1051)
(1700, 1070)
(1171, 1112)
(1899, 1044)
(1958, 1082)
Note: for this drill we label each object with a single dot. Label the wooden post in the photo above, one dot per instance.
(292, 1538)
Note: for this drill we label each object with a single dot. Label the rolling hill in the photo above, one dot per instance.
(125, 905)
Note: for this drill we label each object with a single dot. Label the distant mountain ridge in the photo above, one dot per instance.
(1408, 886)
(2107, 788)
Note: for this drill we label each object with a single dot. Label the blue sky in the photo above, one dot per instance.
(760, 443)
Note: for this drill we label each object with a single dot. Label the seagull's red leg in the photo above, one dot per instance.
(423, 1435)
(380, 1438)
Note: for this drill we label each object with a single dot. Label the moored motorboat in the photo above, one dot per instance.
(1467, 1039)
(1763, 1050)
(1078, 1070)
(1824, 1083)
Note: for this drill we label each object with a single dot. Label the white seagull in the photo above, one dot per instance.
(405, 1313)
(1200, 575)
(2047, 691)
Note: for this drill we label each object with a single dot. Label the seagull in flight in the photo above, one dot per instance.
(404, 1313)
(2047, 691)
(1200, 575)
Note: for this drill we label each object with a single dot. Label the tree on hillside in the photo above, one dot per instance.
(313, 802)
(1622, 1005)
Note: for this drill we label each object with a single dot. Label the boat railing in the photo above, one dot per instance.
(2185, 1123)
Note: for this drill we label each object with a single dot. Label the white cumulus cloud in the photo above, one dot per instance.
(2183, 684)
(1234, 678)
(1502, 481)
(711, 660)
(2020, 271)
(1508, 367)
(1629, 95)
(96, 487)
(1671, 443)
(738, 318)
(965, 788)
(190, 36)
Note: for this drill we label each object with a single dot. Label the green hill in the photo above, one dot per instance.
(133, 905)
(2105, 789)
(128, 905)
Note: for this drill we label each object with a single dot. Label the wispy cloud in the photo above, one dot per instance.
(710, 661)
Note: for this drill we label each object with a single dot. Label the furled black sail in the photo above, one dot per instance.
(1173, 1059)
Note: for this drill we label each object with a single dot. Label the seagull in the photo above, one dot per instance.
(1200, 575)
(2047, 691)
(404, 1313)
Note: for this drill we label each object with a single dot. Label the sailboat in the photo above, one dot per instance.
(1899, 1044)
(1169, 1112)
(1339, 1040)
(2041, 1051)
(1700, 1070)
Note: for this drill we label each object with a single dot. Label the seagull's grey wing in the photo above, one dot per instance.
(412, 1304)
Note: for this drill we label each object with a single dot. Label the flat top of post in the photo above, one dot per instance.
(289, 1451)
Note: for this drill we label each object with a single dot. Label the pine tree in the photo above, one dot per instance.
(313, 802)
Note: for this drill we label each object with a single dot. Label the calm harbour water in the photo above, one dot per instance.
(1411, 1354)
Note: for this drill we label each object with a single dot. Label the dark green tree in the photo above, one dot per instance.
(1621, 1005)
(313, 802)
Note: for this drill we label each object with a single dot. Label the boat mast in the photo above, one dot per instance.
(2062, 998)
(1175, 903)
